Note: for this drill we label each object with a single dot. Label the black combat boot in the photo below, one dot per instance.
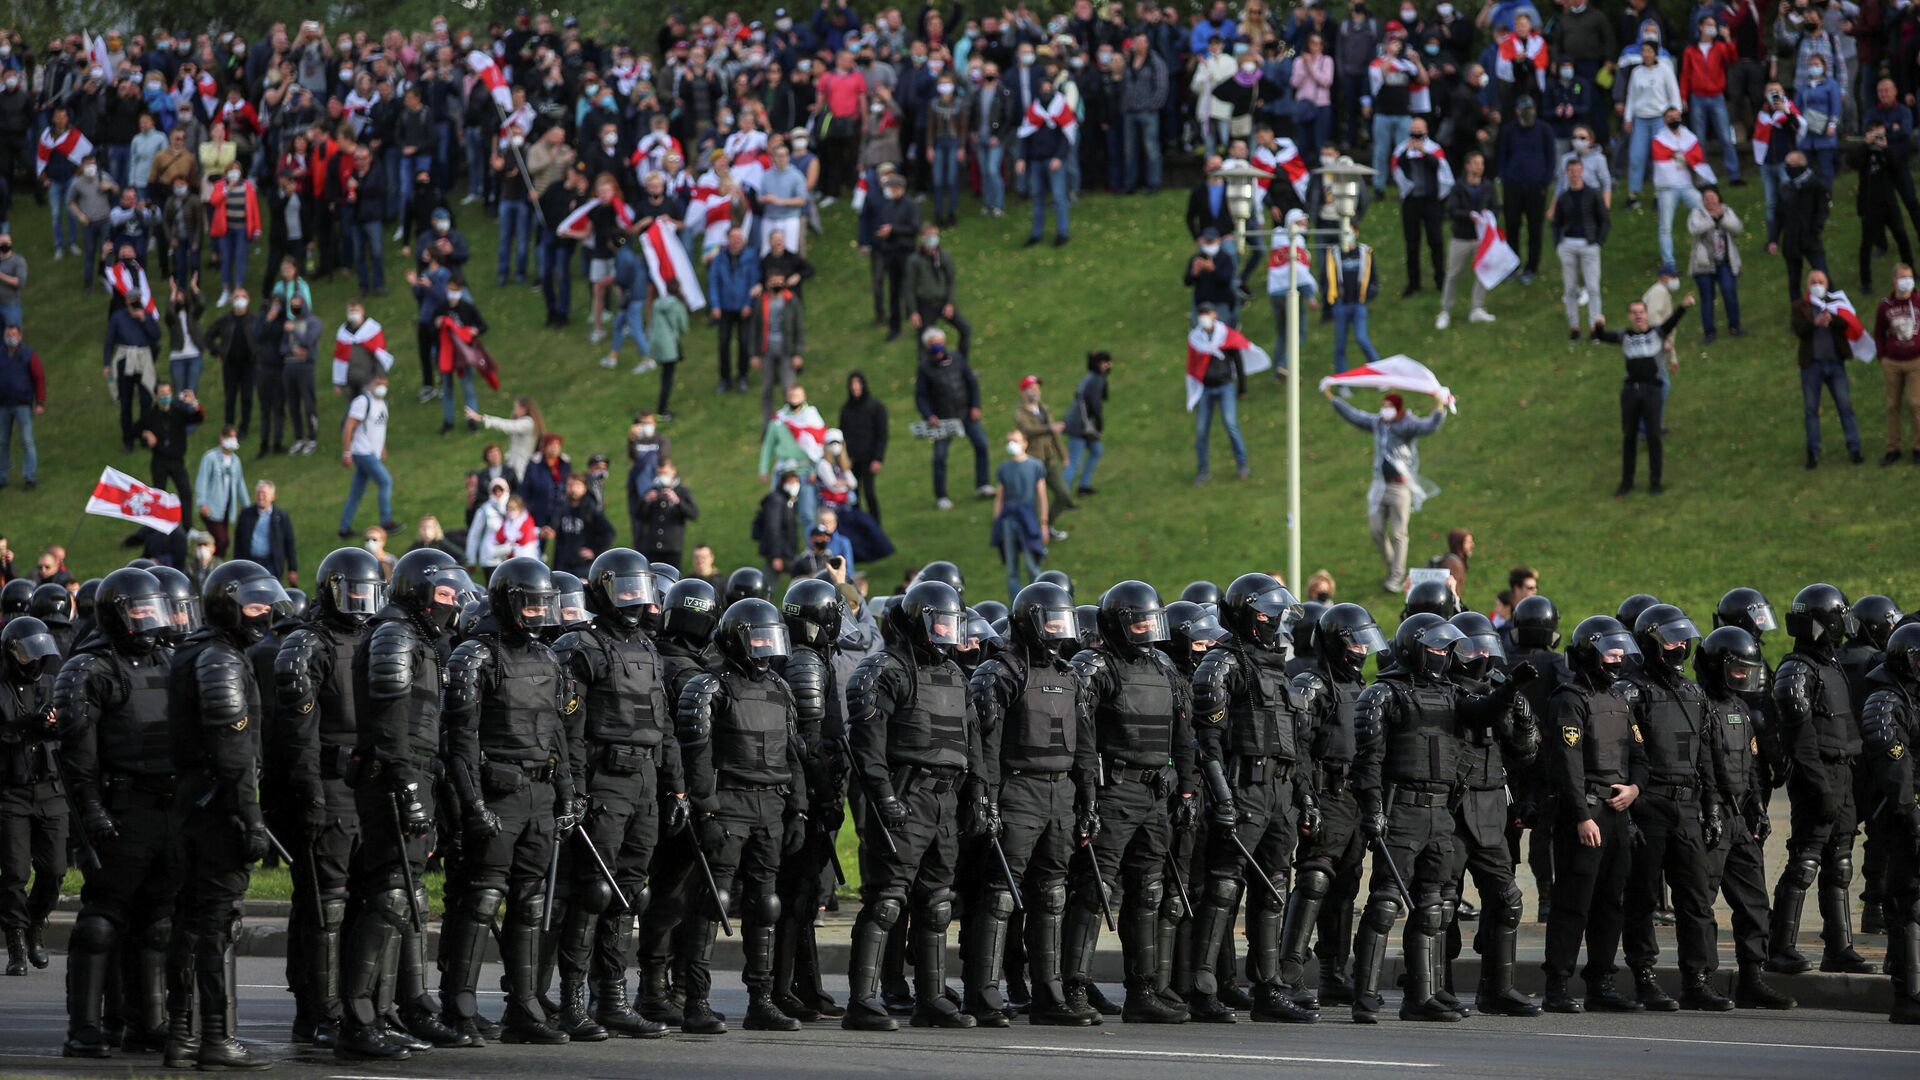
(1647, 988)
(763, 1014)
(1836, 917)
(1752, 991)
(183, 1023)
(1497, 994)
(1422, 939)
(1783, 930)
(525, 1020)
(1369, 956)
(1140, 941)
(927, 937)
(1603, 996)
(1697, 992)
(1051, 1004)
(575, 1018)
(865, 1011)
(695, 941)
(17, 952)
(806, 974)
(986, 946)
(218, 1048)
(894, 991)
(1558, 998)
(656, 1001)
(757, 973)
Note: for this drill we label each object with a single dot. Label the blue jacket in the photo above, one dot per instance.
(1823, 98)
(1524, 155)
(1578, 93)
(543, 493)
(371, 203)
(124, 329)
(1025, 521)
(1899, 121)
(731, 278)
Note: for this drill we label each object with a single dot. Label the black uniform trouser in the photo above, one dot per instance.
(127, 900)
(33, 841)
(1873, 852)
(1480, 848)
(208, 906)
(1875, 223)
(1525, 204)
(321, 868)
(1131, 848)
(926, 845)
(381, 934)
(1337, 851)
(1037, 813)
(1829, 844)
(236, 384)
(743, 849)
(268, 381)
(1589, 888)
(623, 824)
(1269, 827)
(1735, 870)
(1423, 217)
(511, 865)
(1640, 408)
(869, 486)
(1673, 845)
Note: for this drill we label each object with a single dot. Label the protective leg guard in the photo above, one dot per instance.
(865, 1012)
(986, 946)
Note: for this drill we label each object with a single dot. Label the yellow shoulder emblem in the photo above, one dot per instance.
(573, 705)
(1753, 746)
(239, 725)
(1570, 736)
(1897, 751)
(306, 707)
(1637, 737)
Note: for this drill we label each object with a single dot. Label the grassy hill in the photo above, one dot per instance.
(1529, 463)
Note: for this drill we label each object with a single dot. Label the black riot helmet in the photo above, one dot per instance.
(1424, 644)
(296, 610)
(1260, 611)
(748, 581)
(1190, 624)
(29, 648)
(571, 597)
(1055, 577)
(243, 598)
(1665, 634)
(1086, 623)
(1433, 597)
(977, 641)
(621, 586)
(523, 597)
(993, 610)
(472, 614)
(16, 597)
(1481, 650)
(143, 564)
(1600, 647)
(1877, 615)
(131, 609)
(349, 585)
(83, 600)
(690, 611)
(183, 607)
(1202, 592)
(943, 571)
(1747, 609)
(52, 604)
(428, 585)
(1903, 655)
(751, 634)
(1041, 618)
(1131, 618)
(1306, 635)
(1629, 614)
(928, 617)
(1536, 623)
(1729, 662)
(812, 610)
(664, 574)
(1347, 635)
(1820, 615)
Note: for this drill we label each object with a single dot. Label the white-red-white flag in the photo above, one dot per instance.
(128, 282)
(1057, 113)
(667, 262)
(1204, 346)
(98, 55)
(1493, 257)
(488, 73)
(370, 337)
(118, 495)
(1397, 372)
(73, 146)
(1837, 305)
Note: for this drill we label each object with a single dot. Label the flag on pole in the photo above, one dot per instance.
(118, 495)
(1205, 346)
(98, 55)
(1493, 257)
(489, 75)
(1398, 372)
(667, 262)
(1837, 305)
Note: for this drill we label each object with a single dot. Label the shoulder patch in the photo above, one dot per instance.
(1753, 745)
(1637, 737)
(239, 725)
(1570, 736)
(1897, 751)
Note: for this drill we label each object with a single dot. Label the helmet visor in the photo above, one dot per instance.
(1055, 624)
(32, 648)
(358, 597)
(537, 610)
(257, 593)
(1146, 627)
(1763, 618)
(1675, 632)
(1608, 644)
(1366, 641)
(766, 642)
(943, 627)
(573, 608)
(632, 590)
(976, 633)
(1746, 676)
(145, 614)
(1203, 628)
(1279, 606)
(1441, 635)
(1484, 647)
(186, 616)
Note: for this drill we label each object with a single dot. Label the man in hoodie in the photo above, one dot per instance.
(947, 393)
(863, 420)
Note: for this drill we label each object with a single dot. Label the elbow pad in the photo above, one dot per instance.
(220, 679)
(390, 661)
(695, 714)
(464, 671)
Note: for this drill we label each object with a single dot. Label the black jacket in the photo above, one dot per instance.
(1800, 216)
(661, 523)
(947, 390)
(280, 558)
(863, 420)
(776, 528)
(1200, 216)
(1463, 202)
(580, 525)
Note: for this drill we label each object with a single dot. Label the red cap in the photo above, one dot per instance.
(1029, 381)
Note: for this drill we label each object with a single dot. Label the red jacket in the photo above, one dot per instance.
(1896, 317)
(217, 210)
(1706, 72)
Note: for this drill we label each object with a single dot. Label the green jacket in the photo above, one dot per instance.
(669, 324)
(930, 281)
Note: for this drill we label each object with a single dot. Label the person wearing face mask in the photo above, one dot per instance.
(1652, 92)
(1796, 230)
(233, 223)
(1047, 135)
(1567, 103)
(776, 526)
(23, 396)
(13, 274)
(1421, 171)
(296, 332)
(1896, 338)
(1353, 281)
(1582, 38)
(460, 325)
(16, 116)
(1397, 491)
(1705, 74)
(946, 393)
(1210, 274)
(1213, 66)
(1823, 320)
(221, 483)
(945, 145)
(1878, 200)
(1714, 261)
(778, 329)
(90, 200)
(1820, 91)
(930, 292)
(364, 450)
(1524, 154)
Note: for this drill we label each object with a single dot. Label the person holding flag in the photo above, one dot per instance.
(1678, 157)
(1521, 66)
(1216, 377)
(56, 162)
(1829, 332)
(1290, 266)
(360, 337)
(1471, 198)
(1047, 135)
(1397, 491)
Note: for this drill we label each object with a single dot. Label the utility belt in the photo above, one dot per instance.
(623, 759)
(1837, 759)
(1114, 771)
(1676, 792)
(339, 763)
(1333, 775)
(127, 791)
(1051, 776)
(1599, 791)
(1427, 799)
(499, 778)
(940, 781)
(725, 785)
(1267, 768)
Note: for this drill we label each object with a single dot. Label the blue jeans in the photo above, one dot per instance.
(477, 167)
(1664, 199)
(1709, 116)
(1388, 133)
(367, 259)
(233, 258)
(409, 164)
(367, 468)
(946, 175)
(1771, 177)
(631, 320)
(96, 235)
(1315, 133)
(1040, 181)
(1640, 151)
(119, 158)
(1823, 161)
(185, 372)
(443, 154)
(976, 435)
(390, 164)
(1225, 399)
(1215, 135)
(12, 315)
(466, 390)
(66, 231)
(1083, 451)
(1116, 156)
(21, 417)
(1729, 291)
(1279, 302)
(556, 275)
(1348, 90)
(1351, 313)
(1831, 374)
(1143, 151)
(993, 186)
(1070, 164)
(516, 225)
(1022, 566)
(186, 263)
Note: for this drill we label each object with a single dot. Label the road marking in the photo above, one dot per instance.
(1184, 1055)
(1721, 1042)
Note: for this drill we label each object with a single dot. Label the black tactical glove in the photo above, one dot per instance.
(978, 808)
(1712, 824)
(482, 824)
(99, 825)
(679, 812)
(1186, 813)
(253, 840)
(1086, 822)
(1759, 826)
(708, 830)
(1524, 672)
(828, 814)
(893, 812)
(991, 824)
(313, 819)
(796, 835)
(568, 813)
(414, 819)
(1373, 822)
(1224, 815)
(1635, 837)
(1309, 813)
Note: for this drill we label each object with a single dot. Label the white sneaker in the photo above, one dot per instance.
(58, 254)
(944, 504)
(1582, 301)
(1057, 534)
(73, 250)
(224, 297)
(469, 200)
(984, 491)
(644, 366)
(609, 362)
(1480, 315)
(596, 336)
(1442, 320)
(826, 201)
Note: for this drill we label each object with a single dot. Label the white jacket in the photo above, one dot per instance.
(1210, 71)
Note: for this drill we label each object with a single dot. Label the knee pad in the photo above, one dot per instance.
(1383, 908)
(1511, 901)
(1151, 892)
(1274, 899)
(529, 909)
(1086, 895)
(1801, 870)
(391, 907)
(94, 933)
(1223, 891)
(1051, 900)
(333, 913)
(592, 894)
(935, 906)
(481, 904)
(887, 909)
(999, 904)
(1430, 918)
(1837, 874)
(1315, 883)
(762, 908)
(638, 900)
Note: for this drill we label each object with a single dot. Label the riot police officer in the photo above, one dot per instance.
(748, 582)
(1890, 728)
(53, 605)
(912, 745)
(33, 811)
(748, 790)
(1731, 671)
(1245, 721)
(16, 598)
(1192, 630)
(396, 679)
(943, 571)
(1821, 737)
(1143, 729)
(1480, 819)
(1863, 652)
(1596, 767)
(627, 756)
(1432, 597)
(1038, 767)
(812, 610)
(506, 755)
(1202, 592)
(1677, 814)
(212, 700)
(117, 766)
(1749, 610)
(83, 608)
(182, 604)
(1330, 860)
(313, 684)
(1535, 634)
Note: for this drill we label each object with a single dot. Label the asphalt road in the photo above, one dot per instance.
(1746, 1045)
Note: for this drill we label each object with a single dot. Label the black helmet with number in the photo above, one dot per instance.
(1665, 634)
(943, 571)
(929, 617)
(1903, 655)
(523, 597)
(1877, 615)
(1202, 592)
(813, 610)
(130, 608)
(994, 610)
(752, 635)
(1630, 608)
(1131, 617)
(690, 610)
(16, 597)
(664, 574)
(1481, 650)
(1041, 619)
(1729, 661)
(1747, 609)
(1260, 611)
(1820, 615)
(748, 581)
(620, 586)
(183, 607)
(349, 586)
(1347, 635)
(52, 604)
(417, 585)
(243, 599)
(1594, 644)
(1536, 623)
(29, 647)
(1432, 597)
(1423, 646)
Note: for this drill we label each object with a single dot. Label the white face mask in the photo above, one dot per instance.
(1708, 33)
(1389, 414)
(373, 546)
(380, 390)
(454, 297)
(1904, 284)
(1209, 250)
(229, 444)
(233, 176)
(1817, 292)
(1445, 11)
(519, 141)
(1816, 72)
(945, 89)
(1580, 144)
(1026, 59)
(90, 171)
(1015, 449)
(1206, 322)
(646, 431)
(791, 489)
(240, 306)
(610, 141)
